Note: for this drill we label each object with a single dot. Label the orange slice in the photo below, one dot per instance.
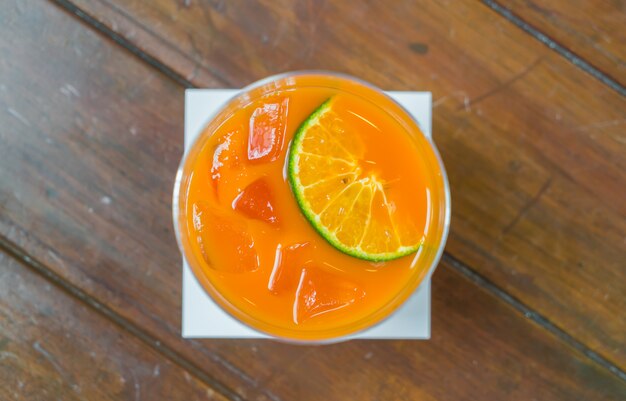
(345, 203)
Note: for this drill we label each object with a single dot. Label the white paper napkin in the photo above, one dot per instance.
(203, 318)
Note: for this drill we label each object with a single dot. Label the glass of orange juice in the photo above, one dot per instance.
(311, 206)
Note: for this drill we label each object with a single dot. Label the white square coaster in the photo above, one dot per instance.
(203, 318)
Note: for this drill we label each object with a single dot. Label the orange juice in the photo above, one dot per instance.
(247, 239)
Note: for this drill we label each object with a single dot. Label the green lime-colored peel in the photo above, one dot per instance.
(305, 207)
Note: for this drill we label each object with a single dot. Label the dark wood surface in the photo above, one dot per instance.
(593, 29)
(534, 146)
(91, 136)
(53, 346)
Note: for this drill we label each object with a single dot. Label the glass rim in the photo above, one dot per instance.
(402, 296)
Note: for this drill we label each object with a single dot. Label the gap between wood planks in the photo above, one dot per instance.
(457, 265)
(531, 314)
(40, 268)
(557, 47)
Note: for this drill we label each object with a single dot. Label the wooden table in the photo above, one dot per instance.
(529, 114)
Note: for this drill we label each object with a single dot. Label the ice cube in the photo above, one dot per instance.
(225, 154)
(224, 241)
(267, 129)
(256, 201)
(288, 264)
(321, 292)
(229, 170)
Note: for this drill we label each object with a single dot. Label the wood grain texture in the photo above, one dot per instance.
(592, 29)
(534, 147)
(53, 347)
(91, 140)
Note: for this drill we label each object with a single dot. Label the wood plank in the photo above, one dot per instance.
(593, 29)
(53, 347)
(91, 140)
(534, 146)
